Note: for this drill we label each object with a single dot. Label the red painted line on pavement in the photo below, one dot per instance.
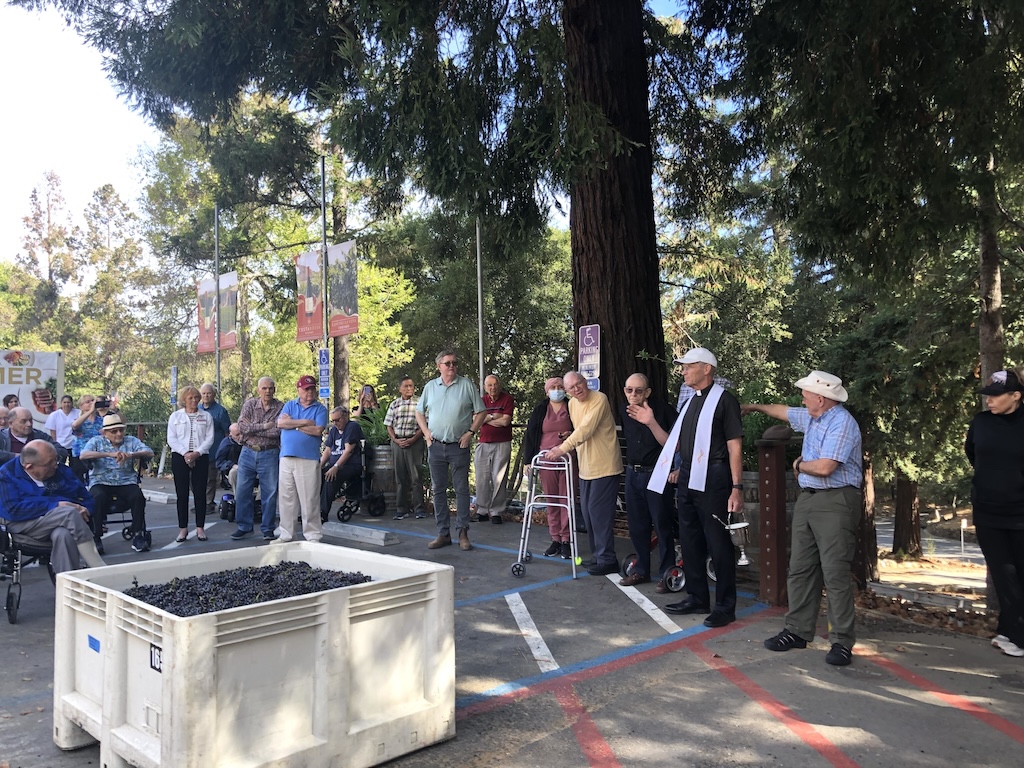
(804, 731)
(596, 750)
(991, 719)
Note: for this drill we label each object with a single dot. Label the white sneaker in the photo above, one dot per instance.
(1012, 649)
(998, 640)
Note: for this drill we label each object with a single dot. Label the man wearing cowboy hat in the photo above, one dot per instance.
(826, 517)
(112, 455)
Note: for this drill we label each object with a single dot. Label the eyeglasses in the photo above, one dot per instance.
(577, 385)
(335, 421)
(634, 390)
(450, 363)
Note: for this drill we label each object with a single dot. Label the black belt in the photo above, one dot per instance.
(268, 448)
(826, 490)
(641, 468)
(445, 442)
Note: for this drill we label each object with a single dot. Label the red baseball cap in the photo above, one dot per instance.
(306, 382)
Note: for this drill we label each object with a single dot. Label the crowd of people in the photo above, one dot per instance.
(683, 477)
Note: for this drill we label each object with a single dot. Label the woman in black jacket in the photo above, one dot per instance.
(995, 448)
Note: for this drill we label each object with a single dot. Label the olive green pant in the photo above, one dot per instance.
(824, 527)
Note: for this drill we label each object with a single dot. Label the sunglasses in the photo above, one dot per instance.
(450, 363)
(634, 390)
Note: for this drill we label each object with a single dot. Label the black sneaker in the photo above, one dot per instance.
(784, 641)
(554, 549)
(139, 543)
(496, 520)
(99, 547)
(240, 534)
(270, 536)
(566, 552)
(839, 656)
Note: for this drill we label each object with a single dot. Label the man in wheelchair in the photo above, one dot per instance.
(114, 478)
(45, 505)
(342, 461)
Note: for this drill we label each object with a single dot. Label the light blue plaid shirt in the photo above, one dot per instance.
(107, 471)
(833, 435)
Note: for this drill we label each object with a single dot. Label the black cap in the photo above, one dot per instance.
(1001, 383)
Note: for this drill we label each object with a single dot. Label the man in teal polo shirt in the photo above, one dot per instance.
(450, 412)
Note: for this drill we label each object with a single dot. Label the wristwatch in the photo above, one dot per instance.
(737, 486)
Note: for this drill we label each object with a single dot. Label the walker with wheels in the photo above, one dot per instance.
(536, 499)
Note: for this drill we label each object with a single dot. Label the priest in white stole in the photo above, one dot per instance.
(704, 454)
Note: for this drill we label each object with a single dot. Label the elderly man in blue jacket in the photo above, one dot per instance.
(44, 503)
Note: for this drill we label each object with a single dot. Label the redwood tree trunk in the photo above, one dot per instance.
(865, 559)
(614, 252)
(991, 338)
(906, 537)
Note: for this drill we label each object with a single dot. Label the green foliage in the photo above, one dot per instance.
(527, 290)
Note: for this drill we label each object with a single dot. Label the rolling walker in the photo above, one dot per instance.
(536, 498)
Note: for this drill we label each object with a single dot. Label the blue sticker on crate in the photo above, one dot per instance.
(94, 644)
(156, 658)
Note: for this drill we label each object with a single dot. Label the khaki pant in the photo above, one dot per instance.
(825, 527)
(298, 492)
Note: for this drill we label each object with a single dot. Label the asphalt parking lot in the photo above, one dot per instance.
(556, 671)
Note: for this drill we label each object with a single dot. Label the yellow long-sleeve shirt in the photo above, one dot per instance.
(593, 437)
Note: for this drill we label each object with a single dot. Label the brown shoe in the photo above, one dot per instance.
(633, 579)
(661, 587)
(464, 544)
(442, 540)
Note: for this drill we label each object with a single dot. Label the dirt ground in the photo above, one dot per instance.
(945, 522)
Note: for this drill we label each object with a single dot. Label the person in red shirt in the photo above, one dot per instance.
(494, 451)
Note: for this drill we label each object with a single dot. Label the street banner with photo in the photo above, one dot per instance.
(207, 290)
(228, 317)
(309, 318)
(37, 378)
(342, 282)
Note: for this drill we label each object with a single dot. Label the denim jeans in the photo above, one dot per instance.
(440, 458)
(253, 464)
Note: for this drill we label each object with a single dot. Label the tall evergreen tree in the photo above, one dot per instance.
(488, 106)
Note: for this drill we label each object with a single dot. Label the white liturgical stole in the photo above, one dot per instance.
(701, 445)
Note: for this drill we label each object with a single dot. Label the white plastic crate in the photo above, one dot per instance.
(354, 676)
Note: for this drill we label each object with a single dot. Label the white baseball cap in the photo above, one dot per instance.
(697, 355)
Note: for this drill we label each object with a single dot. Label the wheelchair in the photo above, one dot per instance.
(119, 513)
(15, 555)
(373, 502)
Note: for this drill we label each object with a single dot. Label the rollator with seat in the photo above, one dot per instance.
(536, 499)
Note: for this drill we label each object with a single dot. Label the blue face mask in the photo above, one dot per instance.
(557, 395)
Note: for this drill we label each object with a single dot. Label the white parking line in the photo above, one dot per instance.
(648, 607)
(540, 650)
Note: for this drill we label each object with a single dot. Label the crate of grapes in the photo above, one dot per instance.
(226, 672)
